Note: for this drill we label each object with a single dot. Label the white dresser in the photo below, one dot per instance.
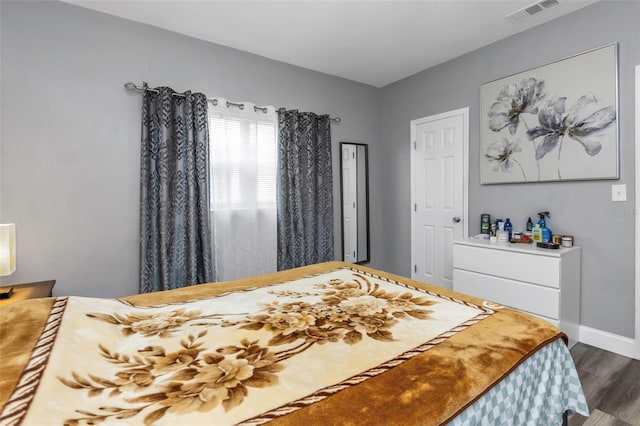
(543, 282)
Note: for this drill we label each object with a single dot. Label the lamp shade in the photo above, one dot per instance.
(7, 249)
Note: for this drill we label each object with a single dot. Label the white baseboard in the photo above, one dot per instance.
(608, 341)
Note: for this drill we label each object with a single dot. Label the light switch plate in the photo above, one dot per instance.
(619, 192)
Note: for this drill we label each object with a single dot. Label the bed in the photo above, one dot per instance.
(332, 343)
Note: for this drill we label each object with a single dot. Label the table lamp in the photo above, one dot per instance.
(7, 249)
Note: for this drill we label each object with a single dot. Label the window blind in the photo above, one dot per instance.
(243, 155)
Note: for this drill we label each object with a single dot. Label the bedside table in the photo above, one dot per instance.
(28, 291)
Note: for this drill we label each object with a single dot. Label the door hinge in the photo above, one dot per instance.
(415, 268)
(354, 254)
(415, 144)
(415, 207)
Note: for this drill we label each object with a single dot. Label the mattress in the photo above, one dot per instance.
(332, 343)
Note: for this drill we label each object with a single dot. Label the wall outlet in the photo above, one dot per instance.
(619, 192)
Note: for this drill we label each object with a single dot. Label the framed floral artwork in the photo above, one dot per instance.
(557, 122)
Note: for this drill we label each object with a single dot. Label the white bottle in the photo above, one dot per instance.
(502, 236)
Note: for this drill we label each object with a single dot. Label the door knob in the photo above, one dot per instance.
(456, 219)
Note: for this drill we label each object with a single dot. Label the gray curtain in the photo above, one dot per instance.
(305, 189)
(175, 239)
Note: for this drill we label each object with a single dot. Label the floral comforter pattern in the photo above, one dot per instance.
(246, 356)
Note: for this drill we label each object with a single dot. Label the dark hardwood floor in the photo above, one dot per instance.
(611, 383)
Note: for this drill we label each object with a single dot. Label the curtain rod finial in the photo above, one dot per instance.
(130, 86)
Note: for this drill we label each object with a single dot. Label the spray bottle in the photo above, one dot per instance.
(545, 233)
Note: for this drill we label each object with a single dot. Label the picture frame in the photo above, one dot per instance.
(557, 122)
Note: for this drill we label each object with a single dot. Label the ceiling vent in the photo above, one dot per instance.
(532, 9)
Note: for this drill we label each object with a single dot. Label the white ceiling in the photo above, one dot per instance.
(373, 42)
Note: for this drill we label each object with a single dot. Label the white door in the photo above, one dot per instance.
(637, 331)
(438, 194)
(349, 205)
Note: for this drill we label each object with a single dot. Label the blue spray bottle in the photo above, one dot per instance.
(546, 232)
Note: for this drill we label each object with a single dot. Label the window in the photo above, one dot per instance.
(243, 189)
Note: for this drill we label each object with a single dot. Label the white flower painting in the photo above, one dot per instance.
(553, 123)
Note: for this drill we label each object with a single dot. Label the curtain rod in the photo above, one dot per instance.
(132, 86)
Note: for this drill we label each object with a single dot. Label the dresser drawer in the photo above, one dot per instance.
(532, 268)
(532, 298)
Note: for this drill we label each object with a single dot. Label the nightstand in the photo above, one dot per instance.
(28, 291)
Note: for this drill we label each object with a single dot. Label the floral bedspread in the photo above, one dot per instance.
(246, 356)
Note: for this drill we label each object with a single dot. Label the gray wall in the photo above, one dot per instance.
(71, 132)
(604, 230)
